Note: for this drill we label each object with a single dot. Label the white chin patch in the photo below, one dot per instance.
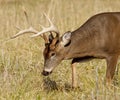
(47, 70)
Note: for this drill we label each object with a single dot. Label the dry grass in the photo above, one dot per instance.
(21, 60)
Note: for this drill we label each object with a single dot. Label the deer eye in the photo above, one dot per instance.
(53, 54)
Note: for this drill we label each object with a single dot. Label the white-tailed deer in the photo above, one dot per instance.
(99, 37)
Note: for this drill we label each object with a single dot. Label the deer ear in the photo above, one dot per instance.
(66, 38)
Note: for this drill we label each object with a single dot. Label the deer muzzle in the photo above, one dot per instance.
(45, 73)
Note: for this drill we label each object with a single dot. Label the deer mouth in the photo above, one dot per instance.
(45, 73)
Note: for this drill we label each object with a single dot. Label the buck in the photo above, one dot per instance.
(98, 37)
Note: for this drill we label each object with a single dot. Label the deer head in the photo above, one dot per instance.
(55, 46)
(55, 52)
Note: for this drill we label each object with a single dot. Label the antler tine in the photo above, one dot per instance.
(26, 16)
(52, 25)
(48, 19)
(52, 28)
(29, 30)
(18, 28)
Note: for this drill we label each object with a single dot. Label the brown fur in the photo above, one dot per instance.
(99, 37)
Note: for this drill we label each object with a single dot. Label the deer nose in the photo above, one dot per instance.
(45, 73)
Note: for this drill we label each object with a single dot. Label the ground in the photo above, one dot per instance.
(21, 59)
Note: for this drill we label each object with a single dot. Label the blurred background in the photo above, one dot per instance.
(21, 59)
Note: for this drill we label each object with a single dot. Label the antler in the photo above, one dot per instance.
(29, 30)
(52, 28)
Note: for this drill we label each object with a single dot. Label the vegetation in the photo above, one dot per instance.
(21, 60)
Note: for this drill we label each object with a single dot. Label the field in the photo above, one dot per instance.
(21, 59)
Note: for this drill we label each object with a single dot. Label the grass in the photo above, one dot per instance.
(21, 60)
